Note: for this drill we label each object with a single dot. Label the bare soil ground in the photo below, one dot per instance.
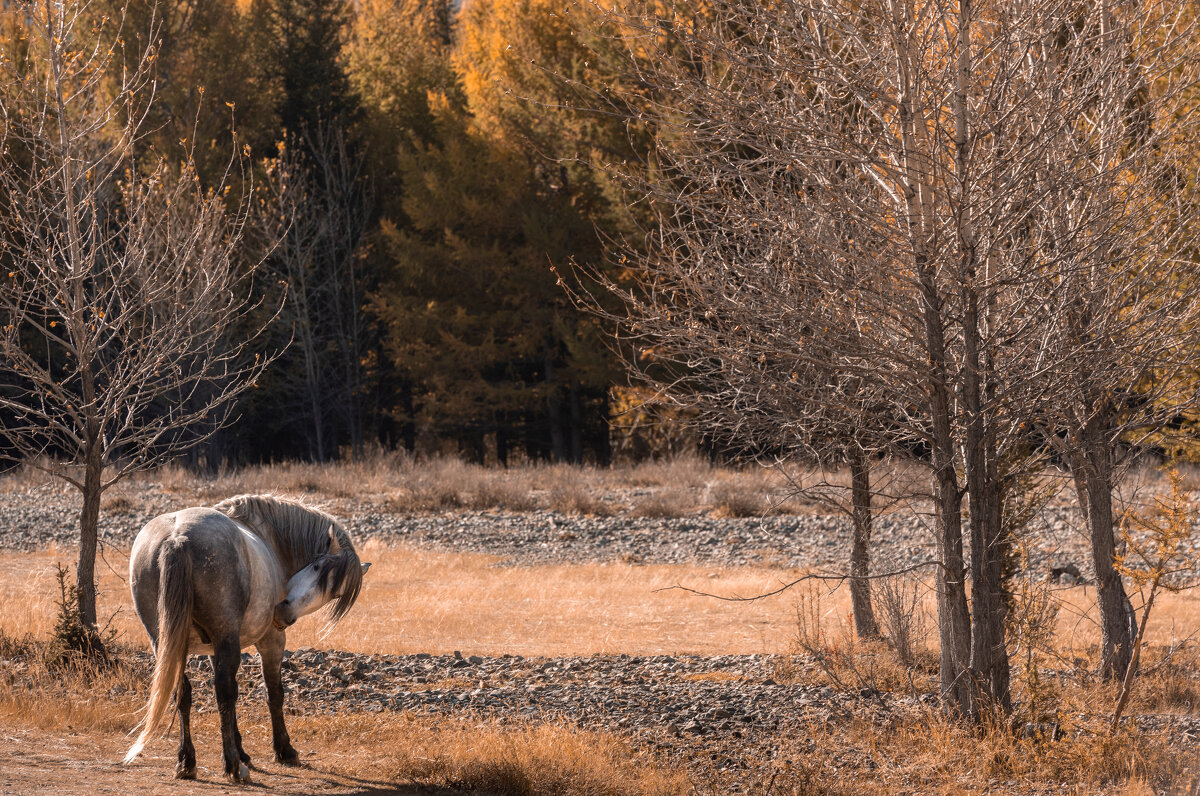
(86, 763)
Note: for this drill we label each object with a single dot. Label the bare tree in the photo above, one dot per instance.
(313, 220)
(858, 205)
(126, 329)
(1119, 219)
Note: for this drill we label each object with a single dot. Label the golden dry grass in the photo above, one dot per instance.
(929, 753)
(422, 601)
(425, 601)
(519, 759)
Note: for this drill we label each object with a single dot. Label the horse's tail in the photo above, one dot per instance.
(174, 627)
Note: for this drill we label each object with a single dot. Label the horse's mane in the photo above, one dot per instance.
(299, 533)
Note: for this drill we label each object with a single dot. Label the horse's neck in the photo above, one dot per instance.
(288, 558)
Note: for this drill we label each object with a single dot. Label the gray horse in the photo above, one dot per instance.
(216, 580)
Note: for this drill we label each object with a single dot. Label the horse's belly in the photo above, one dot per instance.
(198, 646)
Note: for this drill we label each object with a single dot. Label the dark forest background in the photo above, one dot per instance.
(416, 178)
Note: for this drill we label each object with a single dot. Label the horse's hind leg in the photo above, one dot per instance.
(270, 651)
(227, 656)
(186, 767)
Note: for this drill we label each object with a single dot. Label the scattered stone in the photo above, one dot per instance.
(48, 514)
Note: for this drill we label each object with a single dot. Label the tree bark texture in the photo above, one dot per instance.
(89, 524)
(954, 617)
(860, 554)
(1093, 476)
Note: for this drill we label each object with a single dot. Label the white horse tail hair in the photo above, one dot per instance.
(174, 627)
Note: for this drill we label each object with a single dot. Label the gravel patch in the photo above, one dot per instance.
(48, 515)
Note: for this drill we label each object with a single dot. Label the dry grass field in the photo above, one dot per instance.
(437, 602)
(424, 601)
(67, 735)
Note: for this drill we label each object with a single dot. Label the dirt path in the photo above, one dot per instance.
(74, 764)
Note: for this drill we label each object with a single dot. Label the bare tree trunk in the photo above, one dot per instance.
(954, 618)
(576, 424)
(989, 656)
(860, 553)
(557, 443)
(89, 526)
(1092, 471)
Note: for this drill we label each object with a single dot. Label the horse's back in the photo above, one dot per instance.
(217, 562)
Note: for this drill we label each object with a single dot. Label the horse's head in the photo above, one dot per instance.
(335, 575)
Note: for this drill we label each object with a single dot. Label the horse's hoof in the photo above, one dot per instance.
(288, 757)
(185, 773)
(241, 775)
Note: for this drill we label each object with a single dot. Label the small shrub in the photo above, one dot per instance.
(424, 497)
(663, 504)
(1152, 560)
(497, 492)
(901, 620)
(1030, 630)
(678, 471)
(117, 504)
(21, 647)
(838, 658)
(26, 476)
(174, 478)
(576, 498)
(728, 500)
(1170, 689)
(71, 641)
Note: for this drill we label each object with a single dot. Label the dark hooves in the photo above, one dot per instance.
(185, 773)
(241, 775)
(288, 757)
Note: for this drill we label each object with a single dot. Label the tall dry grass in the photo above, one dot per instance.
(928, 752)
(683, 486)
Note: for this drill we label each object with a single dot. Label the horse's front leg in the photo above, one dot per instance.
(186, 767)
(227, 657)
(270, 652)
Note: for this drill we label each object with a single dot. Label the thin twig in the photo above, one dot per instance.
(811, 576)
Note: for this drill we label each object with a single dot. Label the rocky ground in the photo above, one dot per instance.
(729, 711)
(45, 515)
